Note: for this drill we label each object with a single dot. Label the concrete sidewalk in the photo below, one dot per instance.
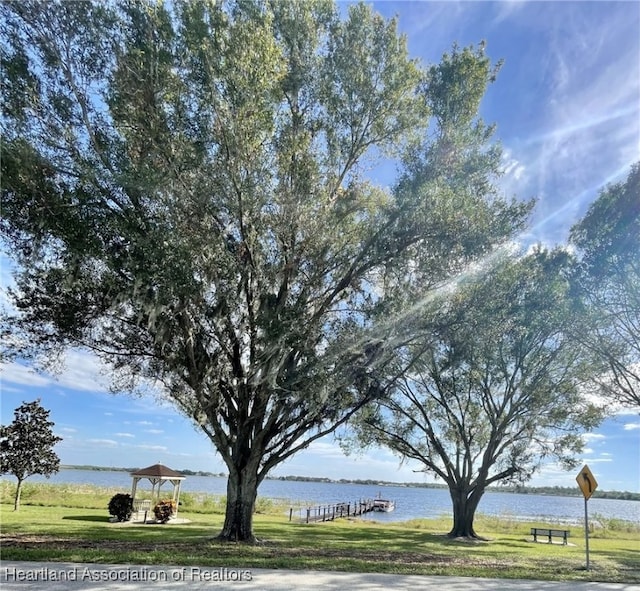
(38, 576)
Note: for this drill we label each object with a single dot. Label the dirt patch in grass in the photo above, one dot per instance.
(203, 550)
(265, 550)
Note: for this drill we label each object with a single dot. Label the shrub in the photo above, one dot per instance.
(264, 505)
(121, 506)
(605, 527)
(187, 500)
(164, 509)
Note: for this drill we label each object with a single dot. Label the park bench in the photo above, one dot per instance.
(549, 533)
(141, 506)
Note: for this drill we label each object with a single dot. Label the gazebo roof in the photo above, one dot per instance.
(158, 471)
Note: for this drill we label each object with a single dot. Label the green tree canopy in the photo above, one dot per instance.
(26, 445)
(493, 389)
(183, 194)
(608, 281)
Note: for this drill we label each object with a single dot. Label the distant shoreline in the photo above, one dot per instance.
(561, 491)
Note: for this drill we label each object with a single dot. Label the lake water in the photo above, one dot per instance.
(411, 503)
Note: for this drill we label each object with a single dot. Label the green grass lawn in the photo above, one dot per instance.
(81, 534)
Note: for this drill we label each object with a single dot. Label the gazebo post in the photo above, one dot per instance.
(176, 493)
(134, 487)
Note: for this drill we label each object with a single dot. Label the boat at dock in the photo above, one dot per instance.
(384, 505)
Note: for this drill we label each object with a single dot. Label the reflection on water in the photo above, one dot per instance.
(411, 503)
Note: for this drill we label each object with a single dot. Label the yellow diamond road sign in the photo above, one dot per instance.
(586, 481)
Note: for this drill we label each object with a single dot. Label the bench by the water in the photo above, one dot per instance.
(140, 507)
(550, 533)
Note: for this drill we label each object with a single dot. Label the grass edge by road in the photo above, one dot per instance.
(63, 534)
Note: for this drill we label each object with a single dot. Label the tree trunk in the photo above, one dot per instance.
(242, 490)
(464, 509)
(16, 500)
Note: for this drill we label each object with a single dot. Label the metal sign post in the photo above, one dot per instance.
(587, 483)
(586, 531)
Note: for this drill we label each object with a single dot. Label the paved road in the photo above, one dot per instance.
(36, 576)
(60, 576)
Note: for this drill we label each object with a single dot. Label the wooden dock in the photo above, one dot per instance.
(331, 512)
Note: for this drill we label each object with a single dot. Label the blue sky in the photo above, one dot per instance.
(567, 108)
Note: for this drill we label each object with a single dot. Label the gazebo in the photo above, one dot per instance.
(158, 475)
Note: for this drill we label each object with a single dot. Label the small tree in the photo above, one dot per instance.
(26, 445)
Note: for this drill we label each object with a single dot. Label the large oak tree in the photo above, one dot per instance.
(184, 195)
(494, 388)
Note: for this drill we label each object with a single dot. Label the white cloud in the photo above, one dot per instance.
(19, 374)
(587, 126)
(77, 371)
(328, 451)
(68, 430)
(153, 447)
(124, 435)
(82, 371)
(506, 10)
(154, 431)
(108, 442)
(551, 474)
(593, 437)
(13, 389)
(631, 426)
(512, 168)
